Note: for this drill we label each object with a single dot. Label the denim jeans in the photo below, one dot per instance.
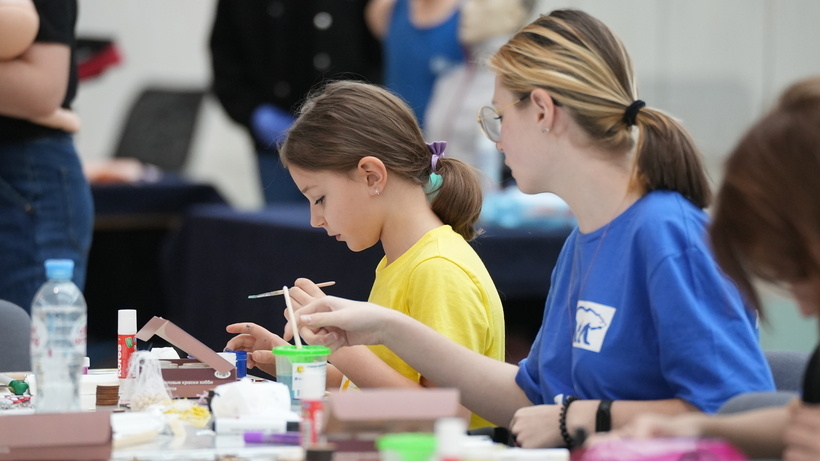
(46, 211)
(277, 185)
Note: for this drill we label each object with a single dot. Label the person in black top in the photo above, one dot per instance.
(46, 209)
(267, 55)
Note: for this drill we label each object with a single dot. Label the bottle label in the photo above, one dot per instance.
(39, 335)
(79, 334)
(300, 369)
(126, 345)
(59, 324)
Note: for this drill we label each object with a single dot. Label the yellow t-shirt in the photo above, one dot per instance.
(441, 282)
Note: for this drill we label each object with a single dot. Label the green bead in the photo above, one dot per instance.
(18, 387)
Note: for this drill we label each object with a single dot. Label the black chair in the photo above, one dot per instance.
(15, 337)
(160, 126)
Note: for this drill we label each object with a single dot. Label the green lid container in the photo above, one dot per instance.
(306, 353)
(407, 446)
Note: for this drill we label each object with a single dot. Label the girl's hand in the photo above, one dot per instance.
(537, 426)
(304, 292)
(337, 322)
(61, 119)
(258, 342)
(801, 435)
(649, 425)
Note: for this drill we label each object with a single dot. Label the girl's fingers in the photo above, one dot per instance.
(241, 343)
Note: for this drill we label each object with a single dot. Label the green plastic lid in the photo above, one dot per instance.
(304, 351)
(410, 446)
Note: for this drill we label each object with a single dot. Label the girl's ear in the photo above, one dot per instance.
(546, 106)
(373, 172)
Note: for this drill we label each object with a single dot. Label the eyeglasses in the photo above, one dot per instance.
(489, 119)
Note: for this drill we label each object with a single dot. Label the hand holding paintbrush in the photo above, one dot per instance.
(255, 338)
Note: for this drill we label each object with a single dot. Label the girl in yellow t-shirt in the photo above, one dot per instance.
(358, 155)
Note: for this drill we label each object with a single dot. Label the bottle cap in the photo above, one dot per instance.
(60, 269)
(127, 322)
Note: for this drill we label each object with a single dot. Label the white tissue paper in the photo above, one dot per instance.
(248, 405)
(134, 428)
(164, 353)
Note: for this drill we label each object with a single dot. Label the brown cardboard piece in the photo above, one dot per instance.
(369, 412)
(189, 382)
(81, 436)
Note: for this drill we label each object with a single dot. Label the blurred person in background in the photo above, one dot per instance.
(266, 57)
(433, 57)
(46, 209)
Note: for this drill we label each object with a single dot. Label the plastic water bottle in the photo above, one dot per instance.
(58, 339)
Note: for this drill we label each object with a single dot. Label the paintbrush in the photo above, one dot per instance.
(279, 292)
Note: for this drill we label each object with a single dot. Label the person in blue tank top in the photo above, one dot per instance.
(639, 316)
(419, 43)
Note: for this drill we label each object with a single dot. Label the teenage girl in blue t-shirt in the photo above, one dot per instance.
(639, 317)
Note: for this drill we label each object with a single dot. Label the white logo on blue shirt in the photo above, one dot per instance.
(592, 321)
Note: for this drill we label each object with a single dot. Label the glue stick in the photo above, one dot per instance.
(313, 407)
(126, 340)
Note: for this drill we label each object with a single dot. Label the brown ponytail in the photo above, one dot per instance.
(587, 70)
(347, 120)
(458, 201)
(667, 158)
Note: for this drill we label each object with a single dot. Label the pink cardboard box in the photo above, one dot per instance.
(357, 418)
(183, 381)
(352, 414)
(81, 436)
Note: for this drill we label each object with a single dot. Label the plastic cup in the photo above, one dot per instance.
(406, 446)
(291, 363)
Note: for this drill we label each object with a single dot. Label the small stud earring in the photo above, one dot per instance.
(376, 191)
(545, 130)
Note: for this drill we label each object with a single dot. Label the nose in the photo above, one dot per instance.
(316, 219)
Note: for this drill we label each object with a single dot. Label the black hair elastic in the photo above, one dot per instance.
(632, 112)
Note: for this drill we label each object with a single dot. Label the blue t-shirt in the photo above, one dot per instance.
(655, 318)
(414, 57)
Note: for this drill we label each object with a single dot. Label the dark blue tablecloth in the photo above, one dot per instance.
(219, 255)
(131, 224)
(171, 195)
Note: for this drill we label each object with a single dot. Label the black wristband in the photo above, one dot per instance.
(562, 420)
(603, 417)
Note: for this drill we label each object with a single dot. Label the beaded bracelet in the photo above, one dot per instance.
(562, 420)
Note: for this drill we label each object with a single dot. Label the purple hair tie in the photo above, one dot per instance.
(437, 150)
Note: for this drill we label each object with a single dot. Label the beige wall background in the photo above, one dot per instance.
(716, 65)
